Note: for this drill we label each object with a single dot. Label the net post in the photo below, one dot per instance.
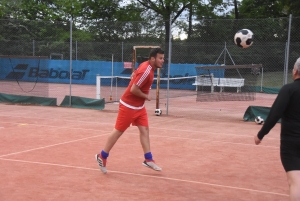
(133, 59)
(98, 86)
(212, 83)
(157, 88)
(112, 74)
(116, 87)
(262, 78)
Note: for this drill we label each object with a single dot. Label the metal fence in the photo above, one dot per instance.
(71, 48)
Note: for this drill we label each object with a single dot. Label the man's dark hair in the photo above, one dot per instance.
(155, 51)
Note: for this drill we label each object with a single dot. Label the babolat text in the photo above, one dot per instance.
(76, 75)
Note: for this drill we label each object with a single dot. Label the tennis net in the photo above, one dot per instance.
(227, 82)
(112, 87)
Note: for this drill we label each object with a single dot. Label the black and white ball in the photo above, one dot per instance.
(243, 38)
(158, 112)
(259, 120)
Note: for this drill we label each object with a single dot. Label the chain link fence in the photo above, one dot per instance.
(105, 49)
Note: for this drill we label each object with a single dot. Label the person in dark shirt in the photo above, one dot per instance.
(287, 107)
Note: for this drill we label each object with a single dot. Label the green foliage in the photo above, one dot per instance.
(167, 10)
(292, 7)
(129, 13)
(103, 10)
(269, 8)
(100, 26)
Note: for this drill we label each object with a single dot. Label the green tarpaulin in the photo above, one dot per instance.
(254, 111)
(80, 102)
(27, 100)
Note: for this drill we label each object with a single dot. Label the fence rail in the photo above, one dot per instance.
(276, 46)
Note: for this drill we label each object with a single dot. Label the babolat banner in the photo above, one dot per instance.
(83, 72)
(44, 70)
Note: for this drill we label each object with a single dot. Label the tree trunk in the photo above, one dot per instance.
(236, 12)
(190, 20)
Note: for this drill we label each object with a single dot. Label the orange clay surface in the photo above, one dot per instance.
(47, 153)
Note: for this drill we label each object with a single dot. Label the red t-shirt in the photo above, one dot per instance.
(143, 78)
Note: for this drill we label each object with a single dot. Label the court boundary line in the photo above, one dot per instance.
(129, 133)
(209, 132)
(151, 176)
(152, 127)
(213, 141)
(159, 136)
(153, 123)
(48, 119)
(53, 145)
(68, 127)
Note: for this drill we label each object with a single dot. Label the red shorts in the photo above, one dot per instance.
(127, 116)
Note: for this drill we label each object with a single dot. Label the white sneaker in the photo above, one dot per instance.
(151, 164)
(101, 163)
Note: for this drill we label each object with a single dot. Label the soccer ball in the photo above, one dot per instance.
(259, 120)
(243, 38)
(158, 112)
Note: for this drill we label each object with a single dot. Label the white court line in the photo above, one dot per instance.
(64, 119)
(112, 123)
(212, 141)
(62, 143)
(150, 176)
(209, 132)
(185, 138)
(51, 126)
(152, 127)
(224, 142)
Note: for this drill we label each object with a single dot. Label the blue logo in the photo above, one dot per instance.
(18, 72)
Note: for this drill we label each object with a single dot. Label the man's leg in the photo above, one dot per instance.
(144, 138)
(145, 141)
(294, 184)
(112, 139)
(122, 123)
(141, 121)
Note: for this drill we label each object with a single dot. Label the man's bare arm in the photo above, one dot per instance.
(138, 92)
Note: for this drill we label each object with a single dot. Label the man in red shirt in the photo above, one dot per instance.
(132, 110)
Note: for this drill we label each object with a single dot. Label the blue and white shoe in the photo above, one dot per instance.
(101, 163)
(151, 164)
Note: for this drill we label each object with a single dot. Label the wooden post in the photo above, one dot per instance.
(157, 88)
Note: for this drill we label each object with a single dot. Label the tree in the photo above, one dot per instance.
(9, 8)
(292, 7)
(168, 10)
(236, 12)
(262, 9)
(269, 8)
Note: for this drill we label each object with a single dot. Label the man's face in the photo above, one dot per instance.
(159, 60)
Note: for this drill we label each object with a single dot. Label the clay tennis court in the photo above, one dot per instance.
(47, 153)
